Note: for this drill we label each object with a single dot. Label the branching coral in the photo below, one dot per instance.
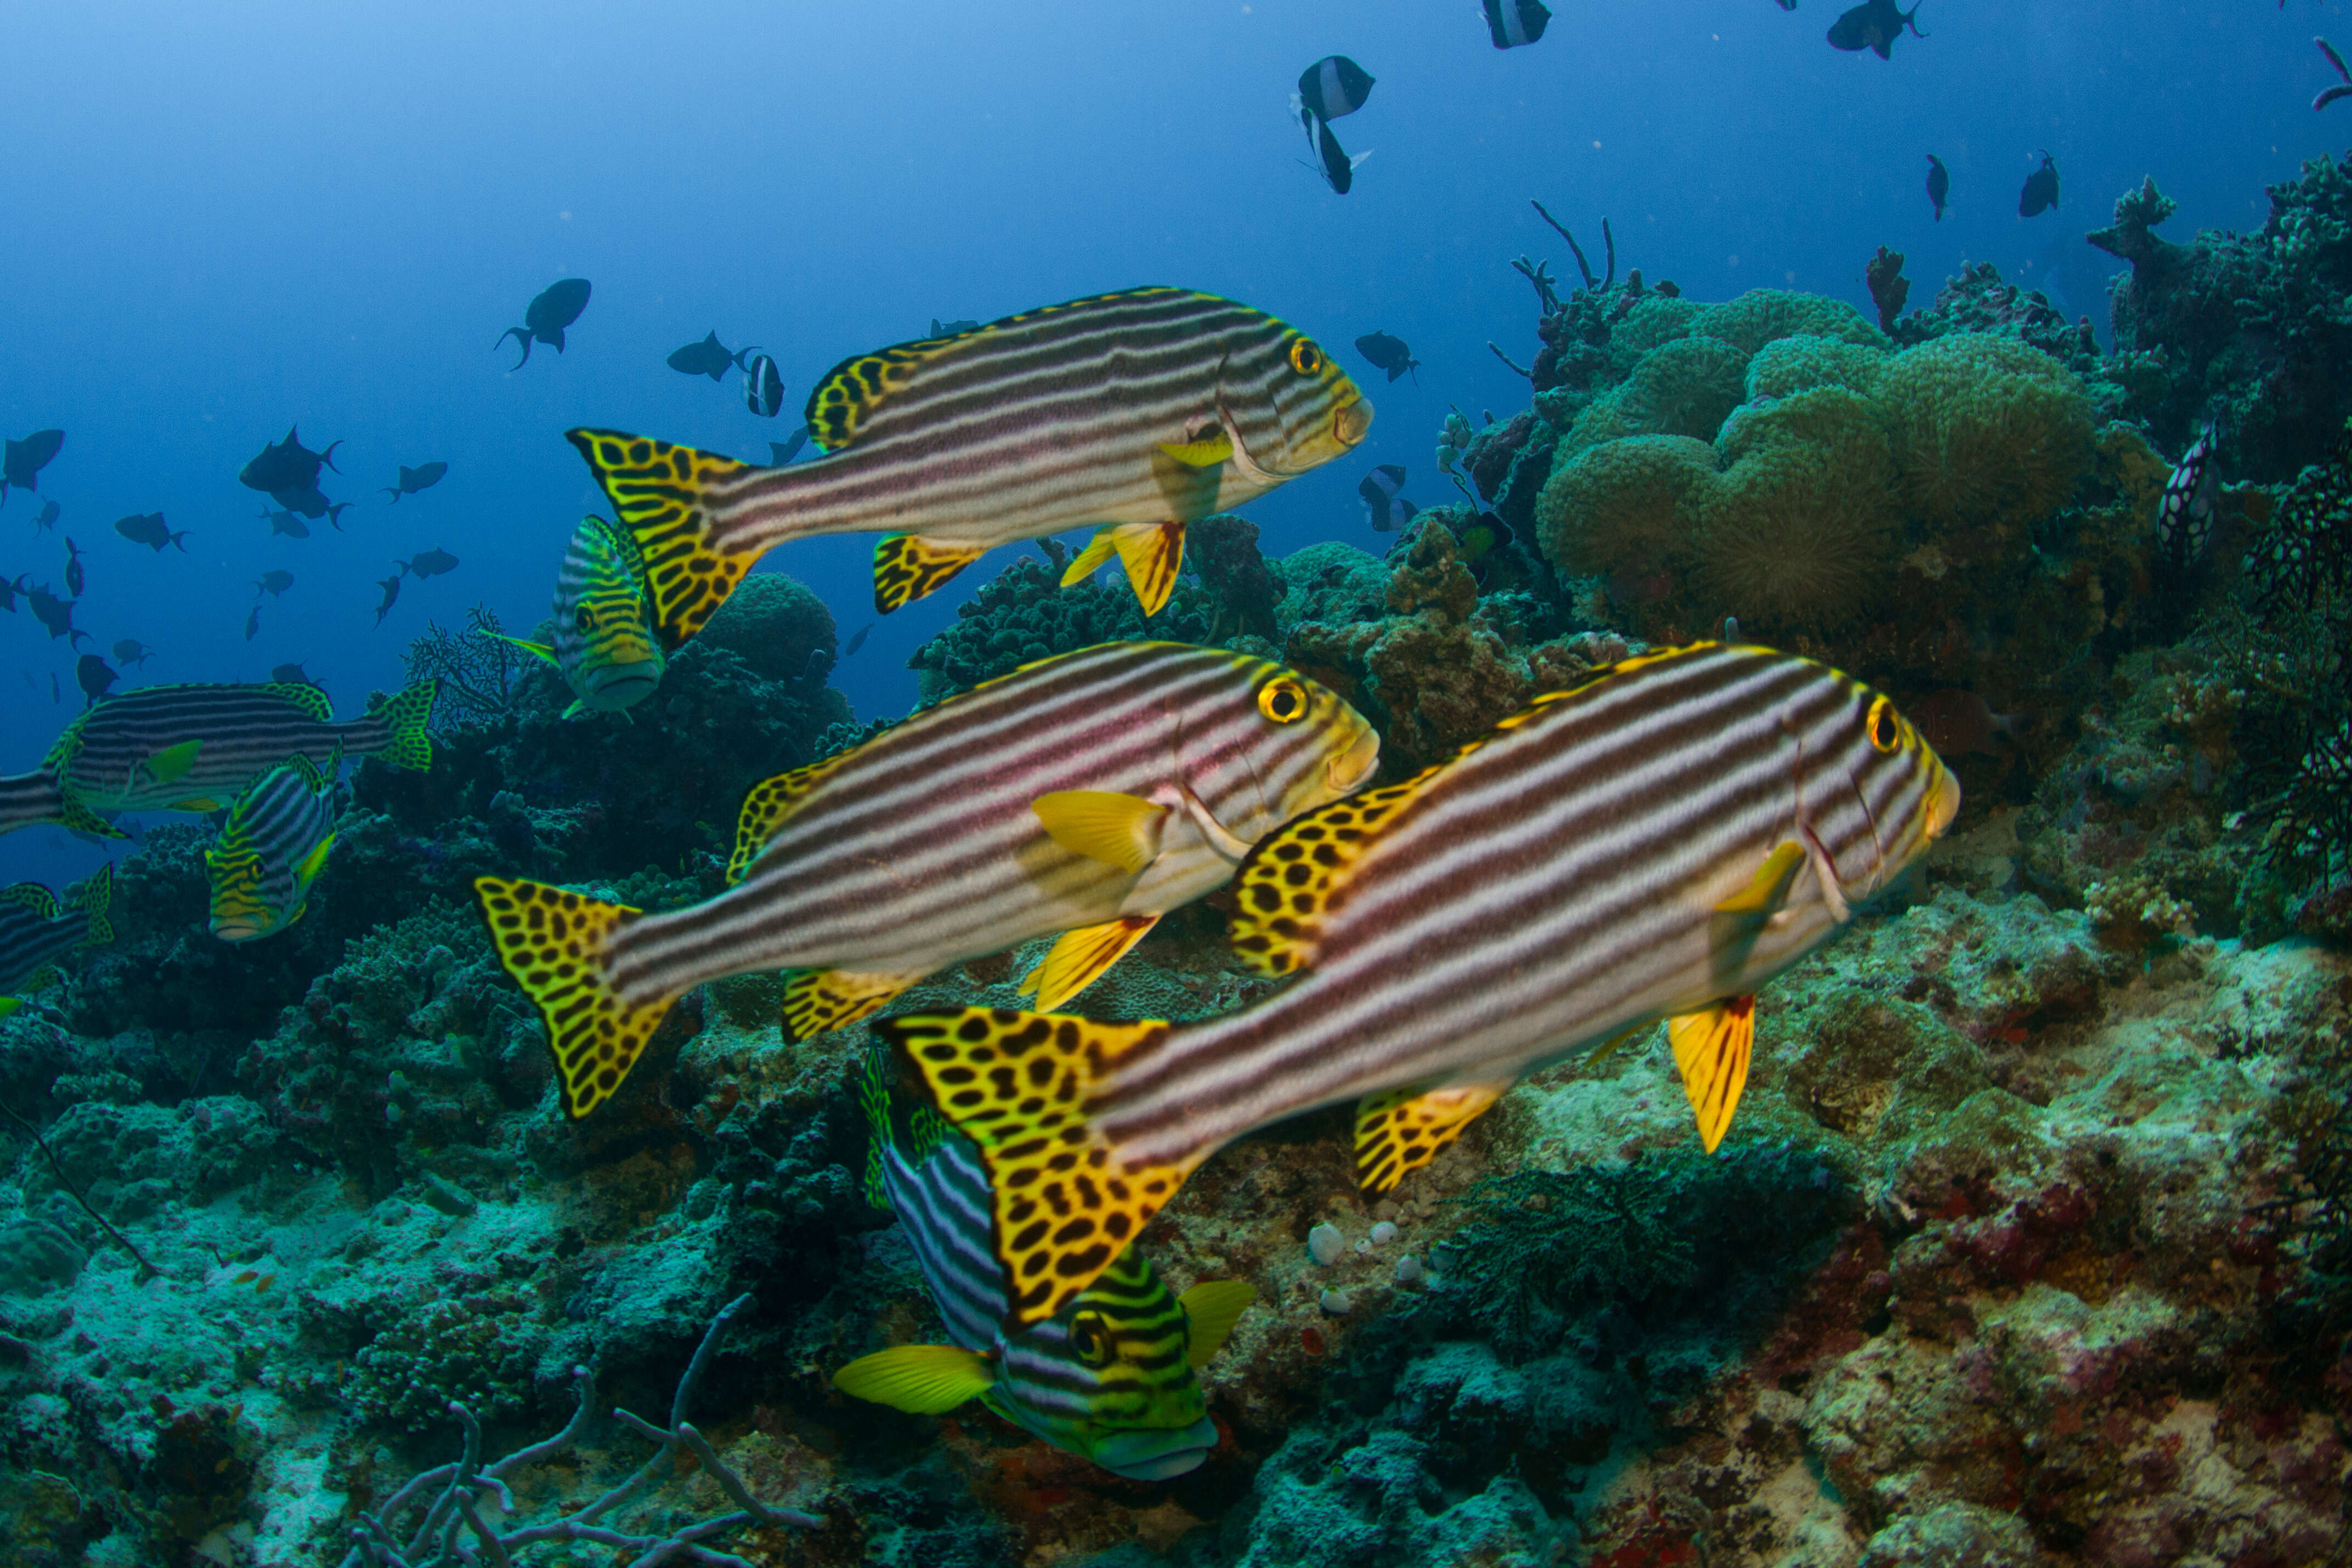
(480, 672)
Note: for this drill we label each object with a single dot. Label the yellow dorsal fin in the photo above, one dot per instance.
(1400, 1130)
(551, 941)
(309, 698)
(1211, 1308)
(170, 765)
(908, 566)
(766, 807)
(661, 494)
(1119, 831)
(840, 404)
(1082, 957)
(818, 1001)
(1768, 889)
(1288, 879)
(31, 896)
(1017, 1084)
(1712, 1047)
(316, 860)
(1205, 453)
(921, 1379)
(1153, 553)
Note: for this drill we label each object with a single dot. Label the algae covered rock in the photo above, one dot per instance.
(775, 625)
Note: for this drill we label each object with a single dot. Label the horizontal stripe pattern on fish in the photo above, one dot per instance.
(262, 866)
(159, 747)
(36, 930)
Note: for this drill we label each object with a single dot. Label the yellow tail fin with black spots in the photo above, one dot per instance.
(659, 492)
(1016, 1084)
(551, 941)
(908, 566)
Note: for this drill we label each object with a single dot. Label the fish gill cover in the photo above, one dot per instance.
(2008, 1222)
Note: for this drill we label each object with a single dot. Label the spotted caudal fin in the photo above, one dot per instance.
(551, 941)
(91, 899)
(1017, 1084)
(660, 494)
(908, 566)
(408, 718)
(1400, 1130)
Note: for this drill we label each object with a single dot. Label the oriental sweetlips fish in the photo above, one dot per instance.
(197, 747)
(1653, 843)
(1087, 794)
(1110, 1378)
(604, 646)
(36, 931)
(1136, 412)
(273, 847)
(552, 309)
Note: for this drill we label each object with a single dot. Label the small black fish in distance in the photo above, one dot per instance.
(1788, 5)
(253, 624)
(424, 476)
(709, 358)
(21, 461)
(53, 613)
(94, 676)
(9, 593)
(856, 640)
(288, 465)
(763, 386)
(285, 522)
(1339, 169)
(952, 329)
(428, 563)
(782, 451)
(554, 308)
(74, 578)
(292, 674)
(2040, 193)
(1387, 353)
(391, 586)
(47, 516)
(1382, 508)
(1511, 23)
(2328, 95)
(147, 528)
(1332, 86)
(1939, 185)
(131, 650)
(1873, 26)
(272, 583)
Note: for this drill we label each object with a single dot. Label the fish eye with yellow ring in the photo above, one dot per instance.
(1090, 1337)
(1306, 358)
(1283, 700)
(1885, 725)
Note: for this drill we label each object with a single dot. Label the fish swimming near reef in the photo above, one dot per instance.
(1086, 795)
(2334, 90)
(391, 586)
(287, 465)
(952, 329)
(552, 309)
(1873, 26)
(782, 451)
(604, 646)
(1387, 353)
(2040, 193)
(272, 849)
(95, 676)
(763, 386)
(148, 528)
(36, 931)
(131, 650)
(1382, 508)
(1654, 842)
(428, 563)
(709, 358)
(283, 521)
(74, 578)
(424, 476)
(856, 640)
(2184, 514)
(196, 747)
(272, 583)
(46, 518)
(1939, 185)
(9, 593)
(1134, 412)
(21, 461)
(1511, 23)
(1110, 1378)
(55, 614)
(1332, 88)
(253, 624)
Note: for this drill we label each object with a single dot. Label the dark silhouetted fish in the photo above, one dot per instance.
(290, 672)
(131, 650)
(1956, 722)
(1511, 23)
(2328, 95)
(74, 578)
(8, 591)
(391, 586)
(1387, 353)
(1332, 88)
(709, 358)
(856, 640)
(2040, 193)
(556, 307)
(273, 583)
(47, 516)
(952, 329)
(55, 613)
(763, 386)
(1939, 185)
(1873, 26)
(94, 676)
(1339, 169)
(782, 451)
(253, 624)
(288, 466)
(285, 522)
(424, 476)
(428, 563)
(147, 528)
(55, 696)
(21, 461)
(1382, 508)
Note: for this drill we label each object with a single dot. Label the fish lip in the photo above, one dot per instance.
(1156, 1454)
(1351, 421)
(1943, 802)
(1353, 765)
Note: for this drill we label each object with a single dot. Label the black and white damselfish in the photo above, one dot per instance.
(1135, 414)
(1654, 842)
(1511, 23)
(1087, 794)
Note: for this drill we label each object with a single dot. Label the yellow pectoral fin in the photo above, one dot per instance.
(539, 650)
(818, 1001)
(1768, 889)
(921, 1379)
(202, 804)
(1083, 957)
(316, 861)
(1712, 1047)
(1089, 561)
(908, 566)
(1121, 831)
(1400, 1130)
(1211, 1310)
(1153, 553)
(170, 765)
(1205, 453)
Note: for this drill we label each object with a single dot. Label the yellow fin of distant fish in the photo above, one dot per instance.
(170, 765)
(31, 896)
(1205, 453)
(1712, 1047)
(203, 805)
(1211, 1308)
(312, 863)
(1400, 1130)
(1287, 880)
(908, 566)
(1089, 561)
(656, 488)
(551, 941)
(921, 1379)
(1064, 1205)
(818, 1001)
(766, 807)
(1083, 957)
(1121, 830)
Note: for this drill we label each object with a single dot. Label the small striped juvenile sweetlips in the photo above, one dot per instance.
(604, 645)
(1652, 845)
(1087, 794)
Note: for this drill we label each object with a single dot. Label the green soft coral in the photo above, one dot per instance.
(1622, 507)
(1684, 387)
(1801, 528)
(1987, 430)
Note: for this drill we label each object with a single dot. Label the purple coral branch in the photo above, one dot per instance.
(1583, 266)
(1610, 240)
(2341, 90)
(1506, 359)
